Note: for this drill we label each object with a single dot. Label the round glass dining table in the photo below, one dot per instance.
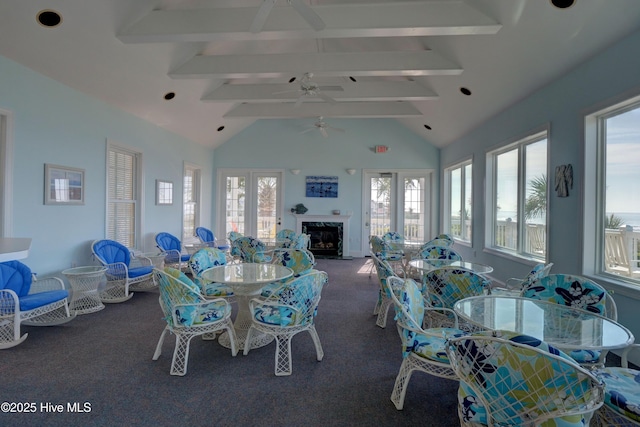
(246, 280)
(426, 265)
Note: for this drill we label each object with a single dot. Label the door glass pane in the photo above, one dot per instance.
(506, 208)
(267, 204)
(414, 209)
(535, 205)
(189, 206)
(380, 205)
(235, 204)
(466, 218)
(455, 177)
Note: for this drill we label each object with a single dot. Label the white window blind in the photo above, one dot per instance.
(122, 197)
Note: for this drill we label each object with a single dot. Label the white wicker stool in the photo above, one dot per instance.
(84, 282)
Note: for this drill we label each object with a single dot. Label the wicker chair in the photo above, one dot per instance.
(517, 380)
(577, 292)
(207, 237)
(301, 261)
(431, 251)
(234, 251)
(621, 394)
(202, 260)
(176, 255)
(514, 285)
(445, 286)
(422, 349)
(384, 250)
(188, 314)
(384, 302)
(23, 301)
(286, 312)
(125, 272)
(252, 249)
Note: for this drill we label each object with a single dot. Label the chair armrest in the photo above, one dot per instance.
(8, 303)
(445, 310)
(624, 357)
(140, 261)
(263, 256)
(116, 271)
(513, 283)
(173, 255)
(46, 284)
(202, 307)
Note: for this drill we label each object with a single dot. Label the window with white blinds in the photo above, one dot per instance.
(122, 203)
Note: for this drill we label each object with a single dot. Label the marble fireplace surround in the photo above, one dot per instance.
(343, 219)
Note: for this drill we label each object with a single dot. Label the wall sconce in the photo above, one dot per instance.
(351, 171)
(294, 171)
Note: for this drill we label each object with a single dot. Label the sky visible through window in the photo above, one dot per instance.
(623, 167)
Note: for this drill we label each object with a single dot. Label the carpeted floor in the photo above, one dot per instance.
(104, 359)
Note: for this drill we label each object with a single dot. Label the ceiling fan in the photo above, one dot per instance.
(309, 89)
(302, 8)
(322, 126)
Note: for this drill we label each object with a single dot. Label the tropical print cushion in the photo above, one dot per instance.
(437, 252)
(505, 374)
(290, 305)
(218, 290)
(568, 290)
(445, 286)
(622, 391)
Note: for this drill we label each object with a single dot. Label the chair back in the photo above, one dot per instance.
(573, 291)
(110, 252)
(15, 276)
(384, 271)
(300, 261)
(286, 233)
(249, 247)
(233, 236)
(205, 235)
(445, 286)
(438, 242)
(437, 252)
(204, 259)
(511, 379)
(382, 249)
(408, 302)
(168, 242)
(537, 272)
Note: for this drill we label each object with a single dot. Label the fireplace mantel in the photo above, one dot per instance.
(344, 219)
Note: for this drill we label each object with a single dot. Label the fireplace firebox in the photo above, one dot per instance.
(326, 238)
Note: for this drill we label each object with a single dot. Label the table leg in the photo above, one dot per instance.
(242, 325)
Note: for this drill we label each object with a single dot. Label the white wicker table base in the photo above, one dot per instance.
(242, 325)
(84, 281)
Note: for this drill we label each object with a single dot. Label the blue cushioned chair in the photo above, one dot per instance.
(621, 393)
(287, 311)
(207, 237)
(437, 252)
(514, 285)
(384, 302)
(507, 379)
(422, 349)
(203, 260)
(576, 292)
(43, 302)
(189, 314)
(384, 250)
(125, 273)
(176, 257)
(301, 261)
(252, 249)
(235, 250)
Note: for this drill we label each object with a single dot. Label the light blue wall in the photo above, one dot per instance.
(562, 105)
(280, 144)
(55, 124)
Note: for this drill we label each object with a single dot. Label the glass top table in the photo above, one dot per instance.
(246, 280)
(565, 327)
(431, 264)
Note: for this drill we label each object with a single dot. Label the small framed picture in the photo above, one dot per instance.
(164, 192)
(63, 185)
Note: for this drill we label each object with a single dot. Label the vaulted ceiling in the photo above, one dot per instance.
(206, 69)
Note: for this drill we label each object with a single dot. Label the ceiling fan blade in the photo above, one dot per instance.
(326, 98)
(336, 129)
(307, 130)
(285, 91)
(331, 88)
(308, 14)
(261, 16)
(324, 133)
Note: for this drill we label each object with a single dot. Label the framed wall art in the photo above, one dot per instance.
(63, 185)
(322, 186)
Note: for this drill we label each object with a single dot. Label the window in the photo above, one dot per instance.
(613, 151)
(123, 204)
(517, 197)
(457, 181)
(190, 207)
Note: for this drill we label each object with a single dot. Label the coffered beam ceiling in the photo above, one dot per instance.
(393, 19)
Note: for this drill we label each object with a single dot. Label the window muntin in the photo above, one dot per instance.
(122, 195)
(518, 197)
(458, 191)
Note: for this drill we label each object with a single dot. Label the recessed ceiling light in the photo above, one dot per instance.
(427, 127)
(292, 79)
(465, 91)
(563, 4)
(169, 95)
(353, 79)
(221, 128)
(49, 18)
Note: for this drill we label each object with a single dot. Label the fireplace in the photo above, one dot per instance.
(329, 234)
(326, 238)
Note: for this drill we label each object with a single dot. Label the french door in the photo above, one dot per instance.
(250, 202)
(398, 201)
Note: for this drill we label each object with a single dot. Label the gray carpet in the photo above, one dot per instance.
(104, 359)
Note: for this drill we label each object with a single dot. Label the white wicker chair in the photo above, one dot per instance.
(43, 302)
(508, 379)
(621, 394)
(177, 255)
(287, 311)
(188, 314)
(125, 272)
(384, 302)
(422, 349)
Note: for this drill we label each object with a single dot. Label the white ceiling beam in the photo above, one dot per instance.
(391, 19)
(360, 91)
(324, 109)
(334, 64)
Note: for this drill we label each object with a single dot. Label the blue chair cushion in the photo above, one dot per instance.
(585, 356)
(217, 290)
(430, 346)
(622, 391)
(16, 276)
(223, 247)
(140, 271)
(29, 302)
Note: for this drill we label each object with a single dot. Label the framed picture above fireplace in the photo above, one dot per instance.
(321, 186)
